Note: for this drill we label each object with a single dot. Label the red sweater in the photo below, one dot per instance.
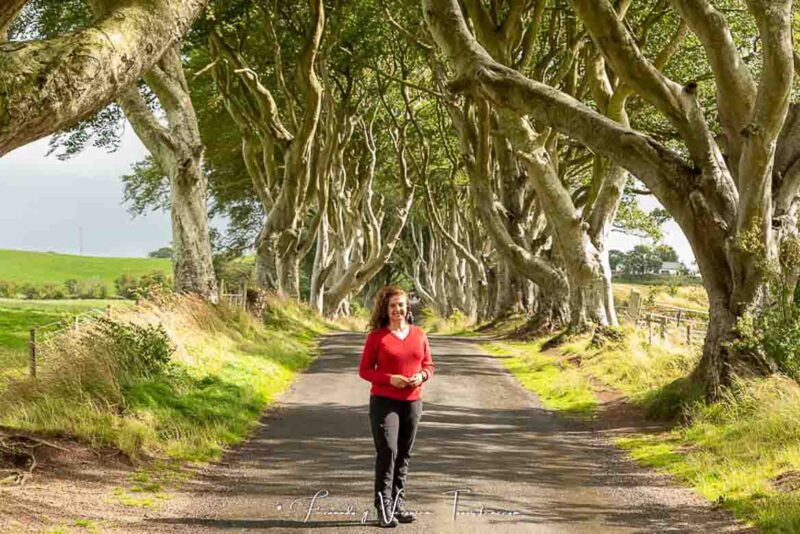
(385, 355)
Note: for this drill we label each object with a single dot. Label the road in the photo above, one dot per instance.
(515, 466)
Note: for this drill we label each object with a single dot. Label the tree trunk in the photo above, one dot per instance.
(266, 265)
(178, 150)
(723, 356)
(192, 263)
(289, 274)
(320, 269)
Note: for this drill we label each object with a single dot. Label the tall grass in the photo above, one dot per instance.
(225, 368)
(456, 323)
(742, 452)
(631, 364)
(559, 386)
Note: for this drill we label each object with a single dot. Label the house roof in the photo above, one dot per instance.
(671, 265)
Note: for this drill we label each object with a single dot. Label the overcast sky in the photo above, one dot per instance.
(45, 202)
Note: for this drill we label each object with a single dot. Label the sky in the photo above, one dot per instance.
(44, 204)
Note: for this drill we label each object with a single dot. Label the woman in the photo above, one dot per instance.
(397, 361)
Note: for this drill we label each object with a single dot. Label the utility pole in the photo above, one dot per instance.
(80, 234)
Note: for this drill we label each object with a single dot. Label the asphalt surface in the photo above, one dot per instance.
(516, 466)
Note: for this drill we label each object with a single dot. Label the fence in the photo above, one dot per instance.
(688, 325)
(41, 336)
(237, 300)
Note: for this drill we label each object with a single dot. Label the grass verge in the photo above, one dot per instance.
(177, 379)
(558, 387)
(456, 324)
(742, 452)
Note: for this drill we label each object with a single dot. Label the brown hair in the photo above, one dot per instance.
(380, 314)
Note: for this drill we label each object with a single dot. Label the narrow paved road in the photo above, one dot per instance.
(517, 467)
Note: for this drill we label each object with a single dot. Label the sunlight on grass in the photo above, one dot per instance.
(456, 324)
(226, 367)
(558, 387)
(742, 452)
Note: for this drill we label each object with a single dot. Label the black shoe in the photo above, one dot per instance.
(385, 517)
(403, 515)
(400, 512)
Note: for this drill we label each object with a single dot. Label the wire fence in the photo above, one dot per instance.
(41, 337)
(662, 321)
(236, 300)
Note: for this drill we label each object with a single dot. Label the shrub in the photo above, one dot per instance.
(8, 289)
(92, 289)
(774, 328)
(672, 289)
(72, 287)
(130, 287)
(29, 291)
(126, 285)
(154, 279)
(141, 351)
(51, 291)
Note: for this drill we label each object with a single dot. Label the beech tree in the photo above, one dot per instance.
(733, 195)
(178, 150)
(174, 143)
(49, 84)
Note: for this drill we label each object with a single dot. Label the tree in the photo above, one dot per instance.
(163, 252)
(47, 85)
(175, 147)
(616, 259)
(666, 253)
(736, 201)
(641, 260)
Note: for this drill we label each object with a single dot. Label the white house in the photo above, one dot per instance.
(670, 267)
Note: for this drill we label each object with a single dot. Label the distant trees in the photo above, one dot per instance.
(642, 259)
(163, 252)
(519, 132)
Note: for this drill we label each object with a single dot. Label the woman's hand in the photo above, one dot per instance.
(416, 380)
(399, 381)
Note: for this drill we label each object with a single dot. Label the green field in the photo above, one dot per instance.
(17, 317)
(39, 268)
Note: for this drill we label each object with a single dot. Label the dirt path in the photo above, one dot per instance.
(481, 433)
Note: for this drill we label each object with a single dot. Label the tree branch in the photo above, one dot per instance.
(51, 84)
(8, 13)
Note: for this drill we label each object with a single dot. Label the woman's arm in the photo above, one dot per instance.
(369, 361)
(427, 361)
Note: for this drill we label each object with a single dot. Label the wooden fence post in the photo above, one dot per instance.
(679, 317)
(650, 328)
(688, 333)
(32, 348)
(663, 328)
(244, 296)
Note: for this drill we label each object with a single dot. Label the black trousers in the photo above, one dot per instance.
(394, 428)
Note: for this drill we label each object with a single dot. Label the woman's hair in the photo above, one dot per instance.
(380, 312)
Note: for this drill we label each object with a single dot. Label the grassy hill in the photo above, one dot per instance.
(42, 267)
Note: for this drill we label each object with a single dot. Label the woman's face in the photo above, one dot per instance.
(397, 308)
